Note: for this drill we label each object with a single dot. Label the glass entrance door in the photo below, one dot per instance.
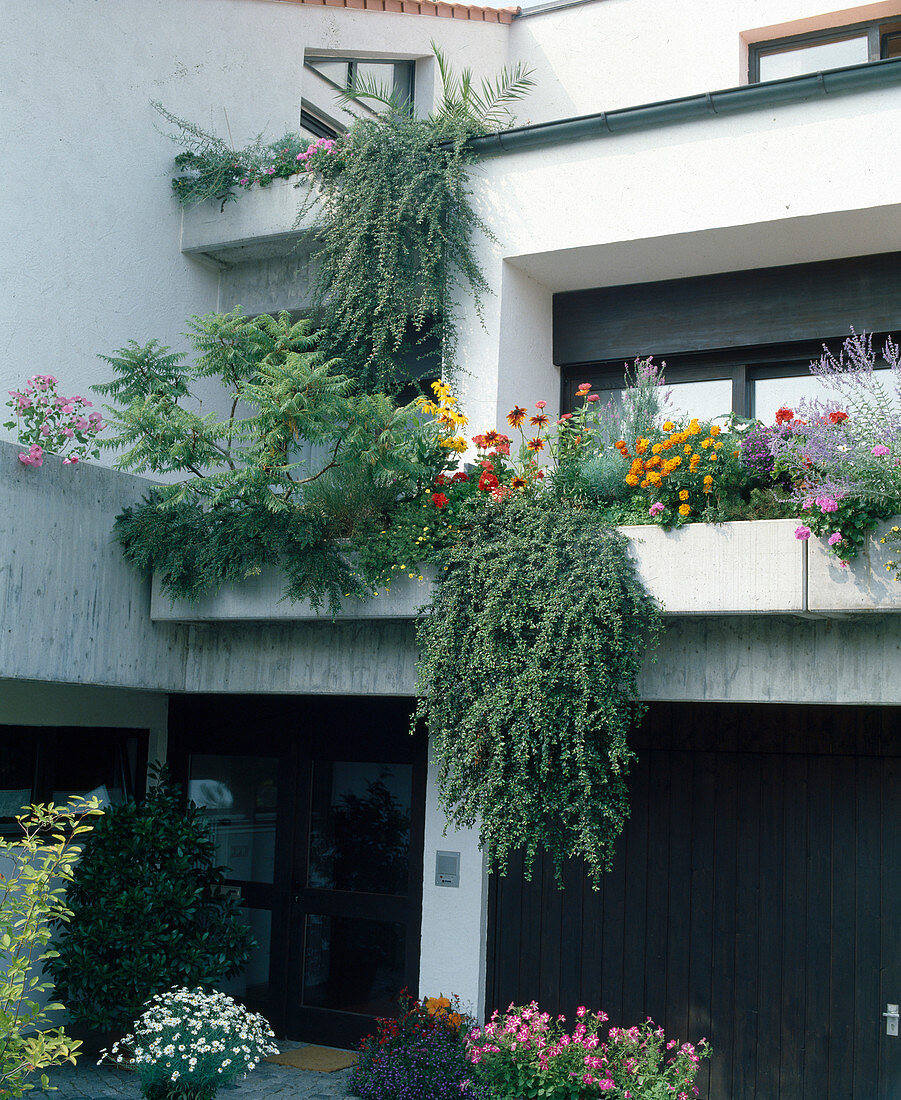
(316, 806)
(355, 923)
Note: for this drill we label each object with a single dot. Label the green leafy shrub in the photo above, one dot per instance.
(149, 912)
(268, 483)
(34, 872)
(530, 654)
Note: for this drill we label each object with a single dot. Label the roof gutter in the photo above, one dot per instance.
(747, 97)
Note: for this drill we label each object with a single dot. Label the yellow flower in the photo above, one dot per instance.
(718, 446)
(684, 509)
(693, 464)
(683, 495)
(694, 428)
(657, 448)
(713, 457)
(687, 449)
(714, 429)
(705, 443)
(631, 479)
(668, 426)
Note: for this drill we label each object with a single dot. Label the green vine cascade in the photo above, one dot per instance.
(529, 658)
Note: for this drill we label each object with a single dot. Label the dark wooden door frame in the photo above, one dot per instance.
(291, 729)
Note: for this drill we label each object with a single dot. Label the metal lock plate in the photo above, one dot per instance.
(891, 1020)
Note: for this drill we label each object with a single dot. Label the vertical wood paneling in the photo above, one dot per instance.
(794, 941)
(755, 898)
(745, 1010)
(868, 862)
(771, 923)
(843, 926)
(636, 901)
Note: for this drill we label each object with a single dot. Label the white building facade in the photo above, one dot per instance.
(713, 184)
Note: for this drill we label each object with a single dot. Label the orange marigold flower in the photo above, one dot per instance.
(675, 461)
(645, 483)
(713, 457)
(687, 449)
(668, 426)
(684, 509)
(708, 479)
(718, 446)
(695, 462)
(620, 444)
(631, 479)
(653, 461)
(666, 444)
(657, 448)
(536, 444)
(705, 443)
(694, 428)
(641, 445)
(683, 495)
(516, 416)
(714, 429)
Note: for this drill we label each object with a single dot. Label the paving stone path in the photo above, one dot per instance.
(87, 1081)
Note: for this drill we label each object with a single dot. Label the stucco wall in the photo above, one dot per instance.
(89, 228)
(614, 53)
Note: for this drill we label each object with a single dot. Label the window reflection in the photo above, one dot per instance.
(238, 796)
(353, 965)
(705, 400)
(252, 984)
(814, 57)
(360, 827)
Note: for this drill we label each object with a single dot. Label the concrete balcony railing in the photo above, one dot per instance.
(754, 568)
(261, 223)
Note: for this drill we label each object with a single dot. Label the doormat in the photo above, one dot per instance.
(321, 1059)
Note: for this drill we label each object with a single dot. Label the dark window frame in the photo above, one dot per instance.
(45, 765)
(406, 86)
(743, 366)
(878, 32)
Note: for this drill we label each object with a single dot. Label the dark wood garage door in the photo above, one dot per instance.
(755, 900)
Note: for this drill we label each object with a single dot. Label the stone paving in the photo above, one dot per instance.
(88, 1081)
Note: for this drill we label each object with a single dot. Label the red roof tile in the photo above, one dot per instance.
(442, 8)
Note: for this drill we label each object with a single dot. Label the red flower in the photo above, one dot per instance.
(536, 444)
(479, 441)
(488, 482)
(784, 415)
(441, 480)
(439, 500)
(460, 476)
(502, 449)
(837, 417)
(538, 421)
(486, 465)
(516, 416)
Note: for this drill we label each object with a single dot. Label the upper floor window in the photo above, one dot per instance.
(826, 49)
(345, 72)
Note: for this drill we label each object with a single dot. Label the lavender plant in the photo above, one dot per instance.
(843, 455)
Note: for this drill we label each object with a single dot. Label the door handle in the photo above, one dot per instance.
(891, 1019)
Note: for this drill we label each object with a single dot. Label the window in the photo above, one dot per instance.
(827, 49)
(391, 76)
(43, 764)
(749, 381)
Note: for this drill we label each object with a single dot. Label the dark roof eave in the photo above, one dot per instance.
(745, 97)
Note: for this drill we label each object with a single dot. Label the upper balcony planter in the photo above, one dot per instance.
(748, 568)
(262, 222)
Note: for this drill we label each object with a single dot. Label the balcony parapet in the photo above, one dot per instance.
(741, 568)
(260, 224)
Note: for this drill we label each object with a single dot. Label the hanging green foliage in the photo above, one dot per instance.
(394, 250)
(529, 657)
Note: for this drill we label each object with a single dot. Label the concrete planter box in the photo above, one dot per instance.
(754, 568)
(259, 599)
(262, 222)
(863, 586)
